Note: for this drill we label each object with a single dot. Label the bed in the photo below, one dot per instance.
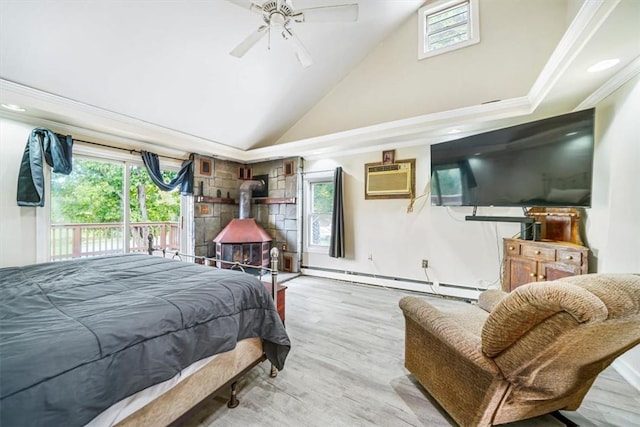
(79, 337)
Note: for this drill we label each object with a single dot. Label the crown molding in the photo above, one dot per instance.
(586, 22)
(124, 128)
(119, 141)
(404, 132)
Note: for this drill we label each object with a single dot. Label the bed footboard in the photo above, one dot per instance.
(179, 402)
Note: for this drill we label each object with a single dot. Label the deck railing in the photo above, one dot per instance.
(91, 239)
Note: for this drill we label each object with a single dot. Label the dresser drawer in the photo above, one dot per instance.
(570, 257)
(539, 253)
(511, 248)
(527, 261)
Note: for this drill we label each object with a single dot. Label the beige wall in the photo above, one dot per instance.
(17, 224)
(392, 84)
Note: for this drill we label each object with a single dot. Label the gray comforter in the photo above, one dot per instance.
(78, 336)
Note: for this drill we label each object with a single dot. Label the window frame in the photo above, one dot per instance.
(127, 159)
(320, 178)
(436, 7)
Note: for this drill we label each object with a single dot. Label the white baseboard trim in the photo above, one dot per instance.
(457, 292)
(627, 372)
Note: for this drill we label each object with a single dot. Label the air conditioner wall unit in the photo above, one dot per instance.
(388, 181)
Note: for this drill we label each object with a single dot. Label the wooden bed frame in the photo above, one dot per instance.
(186, 397)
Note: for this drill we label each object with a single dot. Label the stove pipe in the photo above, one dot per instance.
(245, 197)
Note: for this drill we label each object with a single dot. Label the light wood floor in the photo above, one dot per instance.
(346, 368)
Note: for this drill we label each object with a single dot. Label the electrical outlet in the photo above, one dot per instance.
(425, 263)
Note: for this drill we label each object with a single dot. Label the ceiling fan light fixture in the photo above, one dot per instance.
(280, 13)
(277, 20)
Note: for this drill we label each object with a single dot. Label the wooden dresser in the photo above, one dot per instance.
(528, 261)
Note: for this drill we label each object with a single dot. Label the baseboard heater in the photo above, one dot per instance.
(399, 279)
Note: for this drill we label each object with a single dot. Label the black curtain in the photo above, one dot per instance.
(184, 178)
(336, 246)
(43, 146)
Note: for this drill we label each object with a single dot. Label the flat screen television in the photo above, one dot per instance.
(544, 163)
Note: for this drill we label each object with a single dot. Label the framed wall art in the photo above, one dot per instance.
(288, 168)
(205, 167)
(388, 157)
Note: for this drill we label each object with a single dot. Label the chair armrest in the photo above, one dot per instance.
(530, 305)
(488, 299)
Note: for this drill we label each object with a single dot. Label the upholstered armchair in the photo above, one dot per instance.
(514, 356)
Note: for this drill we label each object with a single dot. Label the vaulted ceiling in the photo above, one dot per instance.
(159, 73)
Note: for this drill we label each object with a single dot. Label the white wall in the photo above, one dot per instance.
(613, 226)
(459, 252)
(17, 224)
(613, 229)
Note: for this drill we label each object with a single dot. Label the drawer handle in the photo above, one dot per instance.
(532, 274)
(511, 248)
(541, 277)
(537, 252)
(569, 256)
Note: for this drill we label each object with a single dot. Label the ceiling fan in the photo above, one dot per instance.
(278, 15)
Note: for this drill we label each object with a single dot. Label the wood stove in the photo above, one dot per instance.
(243, 240)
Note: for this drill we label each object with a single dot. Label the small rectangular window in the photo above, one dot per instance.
(447, 25)
(318, 208)
(321, 207)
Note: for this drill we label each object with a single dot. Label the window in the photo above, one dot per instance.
(447, 25)
(88, 215)
(319, 207)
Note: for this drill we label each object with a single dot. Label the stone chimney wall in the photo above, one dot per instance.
(211, 218)
(221, 180)
(280, 220)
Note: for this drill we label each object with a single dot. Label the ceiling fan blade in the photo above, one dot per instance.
(301, 52)
(247, 4)
(343, 12)
(249, 42)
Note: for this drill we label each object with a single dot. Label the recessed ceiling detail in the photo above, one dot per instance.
(13, 107)
(603, 65)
